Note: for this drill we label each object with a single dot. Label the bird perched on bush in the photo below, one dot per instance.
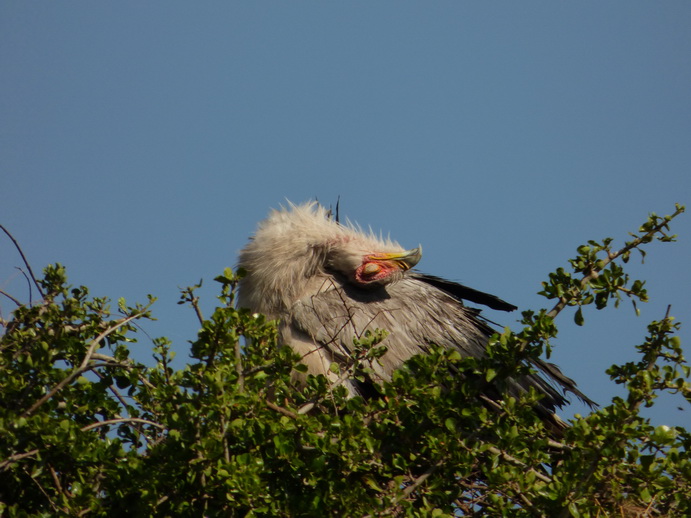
(328, 282)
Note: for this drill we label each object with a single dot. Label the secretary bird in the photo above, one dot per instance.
(327, 282)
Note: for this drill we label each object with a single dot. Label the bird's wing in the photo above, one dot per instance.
(566, 383)
(461, 292)
(415, 314)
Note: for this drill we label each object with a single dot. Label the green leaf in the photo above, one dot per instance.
(645, 495)
(578, 317)
(490, 374)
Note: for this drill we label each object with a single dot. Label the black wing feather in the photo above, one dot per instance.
(461, 292)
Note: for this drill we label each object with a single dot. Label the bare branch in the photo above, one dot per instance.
(28, 283)
(197, 310)
(11, 298)
(26, 263)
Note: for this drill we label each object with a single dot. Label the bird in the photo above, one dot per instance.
(328, 282)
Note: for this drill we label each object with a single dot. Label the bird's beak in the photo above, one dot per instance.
(405, 260)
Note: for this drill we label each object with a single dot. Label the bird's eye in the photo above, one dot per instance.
(371, 268)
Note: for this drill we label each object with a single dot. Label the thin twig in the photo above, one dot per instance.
(28, 283)
(281, 410)
(195, 304)
(121, 420)
(11, 298)
(58, 485)
(513, 460)
(84, 365)
(418, 481)
(128, 365)
(14, 458)
(645, 238)
(26, 263)
(115, 391)
(40, 487)
(95, 342)
(238, 367)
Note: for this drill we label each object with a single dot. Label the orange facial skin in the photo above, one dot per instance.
(381, 268)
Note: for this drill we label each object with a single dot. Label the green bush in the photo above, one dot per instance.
(87, 431)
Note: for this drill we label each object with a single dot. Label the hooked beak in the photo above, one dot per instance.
(405, 260)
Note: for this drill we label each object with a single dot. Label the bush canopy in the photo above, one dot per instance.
(87, 431)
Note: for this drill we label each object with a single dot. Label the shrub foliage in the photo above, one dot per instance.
(86, 430)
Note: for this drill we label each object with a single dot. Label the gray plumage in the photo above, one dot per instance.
(328, 282)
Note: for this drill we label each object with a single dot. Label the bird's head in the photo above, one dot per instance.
(363, 266)
(297, 250)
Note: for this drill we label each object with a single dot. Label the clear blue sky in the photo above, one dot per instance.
(140, 143)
